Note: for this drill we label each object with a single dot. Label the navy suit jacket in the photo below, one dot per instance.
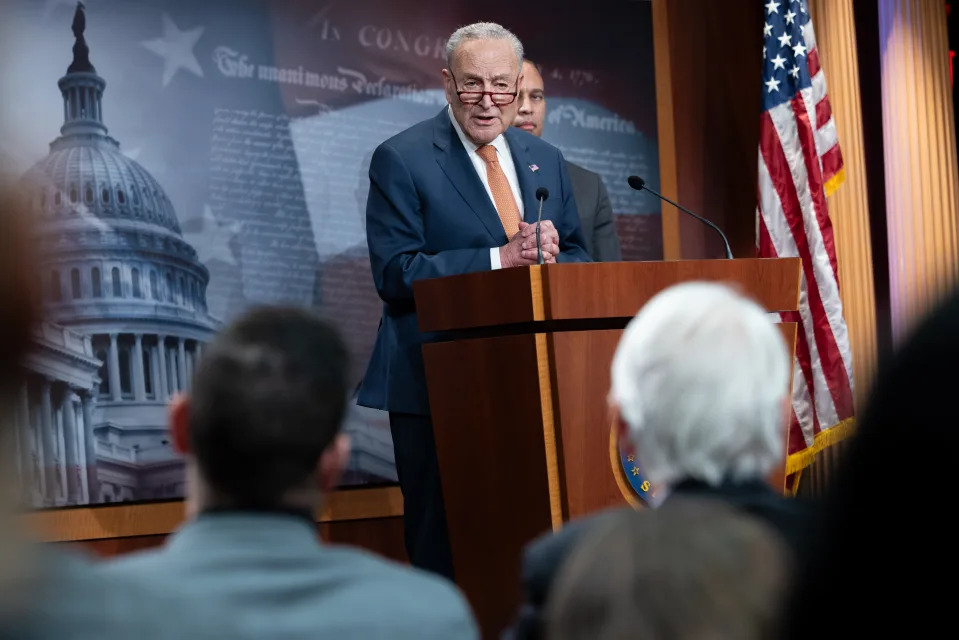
(428, 215)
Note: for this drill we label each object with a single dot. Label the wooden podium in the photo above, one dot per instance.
(517, 364)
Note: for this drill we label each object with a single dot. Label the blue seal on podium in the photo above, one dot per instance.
(633, 484)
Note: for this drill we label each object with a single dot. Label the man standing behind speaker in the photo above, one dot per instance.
(592, 201)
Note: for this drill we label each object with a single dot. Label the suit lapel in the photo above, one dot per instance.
(456, 164)
(527, 178)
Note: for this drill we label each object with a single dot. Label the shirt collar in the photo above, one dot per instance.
(502, 147)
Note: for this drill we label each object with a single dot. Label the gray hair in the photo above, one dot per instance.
(482, 31)
(701, 377)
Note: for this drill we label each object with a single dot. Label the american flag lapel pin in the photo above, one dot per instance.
(534, 168)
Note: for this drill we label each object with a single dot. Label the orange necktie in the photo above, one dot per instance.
(502, 192)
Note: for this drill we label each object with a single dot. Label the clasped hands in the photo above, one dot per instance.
(521, 249)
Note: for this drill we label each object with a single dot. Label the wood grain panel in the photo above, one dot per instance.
(111, 547)
(666, 128)
(572, 293)
(708, 141)
(121, 521)
(383, 536)
(581, 365)
(485, 399)
(472, 293)
(544, 368)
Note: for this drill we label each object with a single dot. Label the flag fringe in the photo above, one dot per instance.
(793, 489)
(835, 182)
(824, 439)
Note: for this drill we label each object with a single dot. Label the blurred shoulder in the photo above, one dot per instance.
(77, 599)
(411, 602)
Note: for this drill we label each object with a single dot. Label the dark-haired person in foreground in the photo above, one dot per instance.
(261, 434)
(885, 553)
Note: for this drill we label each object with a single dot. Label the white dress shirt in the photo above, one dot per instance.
(505, 163)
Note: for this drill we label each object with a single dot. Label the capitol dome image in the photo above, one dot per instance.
(126, 316)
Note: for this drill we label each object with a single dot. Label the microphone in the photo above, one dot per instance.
(541, 194)
(639, 184)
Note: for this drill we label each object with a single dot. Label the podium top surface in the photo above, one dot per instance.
(590, 291)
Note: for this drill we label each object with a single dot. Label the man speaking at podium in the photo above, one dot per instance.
(454, 194)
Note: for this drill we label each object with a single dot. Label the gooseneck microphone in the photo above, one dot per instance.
(541, 194)
(639, 184)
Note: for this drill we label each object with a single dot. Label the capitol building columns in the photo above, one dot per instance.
(113, 368)
(162, 361)
(125, 311)
(23, 440)
(87, 402)
(146, 366)
(76, 432)
(54, 442)
(70, 438)
(181, 363)
(139, 380)
(48, 467)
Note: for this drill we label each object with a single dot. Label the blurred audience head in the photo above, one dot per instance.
(18, 312)
(884, 528)
(18, 294)
(699, 383)
(260, 426)
(692, 570)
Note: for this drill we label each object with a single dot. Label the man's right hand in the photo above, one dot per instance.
(512, 253)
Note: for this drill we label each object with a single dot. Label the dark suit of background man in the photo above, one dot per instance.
(592, 201)
(453, 195)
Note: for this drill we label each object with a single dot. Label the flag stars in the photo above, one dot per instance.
(783, 71)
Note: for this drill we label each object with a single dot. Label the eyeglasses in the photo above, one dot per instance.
(475, 97)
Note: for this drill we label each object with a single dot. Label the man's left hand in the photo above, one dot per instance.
(549, 240)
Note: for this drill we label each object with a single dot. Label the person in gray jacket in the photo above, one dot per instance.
(592, 200)
(260, 431)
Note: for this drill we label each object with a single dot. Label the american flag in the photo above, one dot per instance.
(799, 165)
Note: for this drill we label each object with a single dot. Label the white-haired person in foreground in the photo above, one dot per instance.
(700, 389)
